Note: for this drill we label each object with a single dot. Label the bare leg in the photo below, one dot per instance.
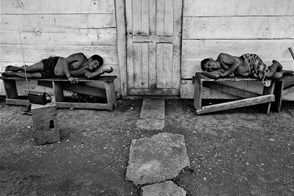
(22, 74)
(279, 74)
(275, 71)
(286, 72)
(32, 68)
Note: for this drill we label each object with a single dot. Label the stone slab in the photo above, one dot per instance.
(152, 114)
(157, 159)
(153, 109)
(150, 124)
(167, 188)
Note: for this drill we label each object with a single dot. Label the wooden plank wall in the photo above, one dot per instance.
(264, 27)
(35, 29)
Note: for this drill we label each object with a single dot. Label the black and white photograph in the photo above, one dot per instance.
(147, 98)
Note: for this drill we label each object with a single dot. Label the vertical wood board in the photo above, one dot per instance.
(121, 46)
(160, 17)
(137, 62)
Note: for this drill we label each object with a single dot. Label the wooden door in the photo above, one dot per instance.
(153, 46)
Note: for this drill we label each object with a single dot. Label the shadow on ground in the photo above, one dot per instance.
(237, 152)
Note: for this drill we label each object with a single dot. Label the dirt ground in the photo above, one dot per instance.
(237, 152)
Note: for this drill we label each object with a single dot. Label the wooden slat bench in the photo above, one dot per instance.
(246, 98)
(60, 84)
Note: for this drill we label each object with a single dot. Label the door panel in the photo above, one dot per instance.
(153, 46)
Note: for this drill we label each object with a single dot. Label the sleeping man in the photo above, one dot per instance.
(75, 65)
(246, 65)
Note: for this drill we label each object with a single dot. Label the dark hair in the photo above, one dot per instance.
(98, 58)
(203, 63)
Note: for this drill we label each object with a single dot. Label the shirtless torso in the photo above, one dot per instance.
(77, 65)
(238, 65)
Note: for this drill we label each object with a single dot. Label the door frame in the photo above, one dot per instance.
(121, 44)
(121, 25)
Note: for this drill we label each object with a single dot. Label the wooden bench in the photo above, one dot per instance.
(60, 84)
(246, 98)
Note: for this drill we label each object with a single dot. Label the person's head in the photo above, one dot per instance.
(209, 64)
(95, 62)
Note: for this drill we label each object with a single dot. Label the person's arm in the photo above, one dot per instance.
(78, 59)
(230, 70)
(212, 74)
(78, 72)
(97, 73)
(228, 63)
(91, 75)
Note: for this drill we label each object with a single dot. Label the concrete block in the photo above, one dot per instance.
(157, 159)
(45, 124)
(152, 114)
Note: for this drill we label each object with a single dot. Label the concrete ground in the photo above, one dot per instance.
(236, 152)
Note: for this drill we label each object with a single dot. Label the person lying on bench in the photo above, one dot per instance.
(250, 65)
(75, 65)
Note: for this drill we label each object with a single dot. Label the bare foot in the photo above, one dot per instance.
(9, 73)
(280, 67)
(12, 68)
(4, 74)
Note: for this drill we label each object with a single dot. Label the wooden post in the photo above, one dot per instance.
(121, 44)
(197, 92)
(267, 91)
(110, 94)
(10, 89)
(278, 95)
(58, 91)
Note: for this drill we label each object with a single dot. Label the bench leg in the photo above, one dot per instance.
(197, 93)
(10, 89)
(58, 91)
(110, 94)
(279, 94)
(267, 91)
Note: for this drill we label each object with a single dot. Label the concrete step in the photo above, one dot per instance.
(152, 114)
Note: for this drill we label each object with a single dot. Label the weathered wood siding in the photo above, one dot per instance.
(35, 29)
(264, 27)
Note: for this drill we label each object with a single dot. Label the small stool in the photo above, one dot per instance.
(45, 124)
